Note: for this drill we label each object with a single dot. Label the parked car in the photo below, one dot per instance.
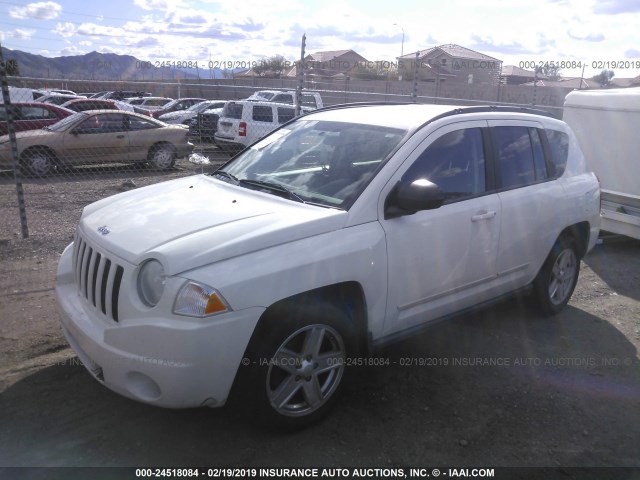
(348, 228)
(57, 98)
(178, 105)
(243, 122)
(19, 94)
(32, 116)
(122, 94)
(97, 137)
(149, 103)
(309, 99)
(204, 125)
(185, 116)
(83, 104)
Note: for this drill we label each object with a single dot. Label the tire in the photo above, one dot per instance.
(558, 277)
(297, 366)
(38, 162)
(162, 157)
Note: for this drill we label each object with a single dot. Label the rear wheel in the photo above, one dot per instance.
(38, 162)
(162, 157)
(558, 277)
(297, 369)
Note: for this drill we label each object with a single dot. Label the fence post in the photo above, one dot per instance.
(414, 95)
(14, 147)
(300, 73)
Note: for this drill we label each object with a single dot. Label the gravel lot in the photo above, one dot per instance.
(501, 387)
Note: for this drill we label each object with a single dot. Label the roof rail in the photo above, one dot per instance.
(455, 111)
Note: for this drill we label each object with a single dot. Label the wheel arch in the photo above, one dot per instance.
(346, 296)
(33, 148)
(579, 234)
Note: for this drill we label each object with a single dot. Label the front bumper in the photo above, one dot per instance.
(160, 361)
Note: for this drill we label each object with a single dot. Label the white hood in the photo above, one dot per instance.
(198, 220)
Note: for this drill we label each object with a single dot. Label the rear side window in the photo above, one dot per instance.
(233, 110)
(36, 113)
(262, 113)
(285, 114)
(559, 144)
(283, 98)
(515, 156)
(309, 101)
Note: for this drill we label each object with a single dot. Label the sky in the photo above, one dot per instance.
(598, 35)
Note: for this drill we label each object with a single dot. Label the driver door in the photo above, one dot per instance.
(101, 138)
(443, 260)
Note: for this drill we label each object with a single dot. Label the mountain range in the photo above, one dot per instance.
(102, 66)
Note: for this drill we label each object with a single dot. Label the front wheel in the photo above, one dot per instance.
(298, 368)
(162, 157)
(558, 277)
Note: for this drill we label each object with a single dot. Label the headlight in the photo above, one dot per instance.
(151, 280)
(198, 300)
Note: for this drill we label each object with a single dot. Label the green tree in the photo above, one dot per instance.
(271, 67)
(551, 71)
(604, 77)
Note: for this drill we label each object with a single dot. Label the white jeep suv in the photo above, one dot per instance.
(345, 229)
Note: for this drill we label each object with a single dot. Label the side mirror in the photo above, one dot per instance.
(409, 198)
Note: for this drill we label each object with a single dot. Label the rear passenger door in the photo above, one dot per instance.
(528, 193)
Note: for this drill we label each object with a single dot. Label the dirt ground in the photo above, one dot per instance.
(500, 387)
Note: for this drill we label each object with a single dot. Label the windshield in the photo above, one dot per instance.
(66, 122)
(321, 162)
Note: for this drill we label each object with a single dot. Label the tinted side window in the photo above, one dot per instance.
(309, 101)
(283, 98)
(136, 123)
(233, 110)
(35, 113)
(559, 144)
(515, 156)
(262, 113)
(285, 114)
(455, 162)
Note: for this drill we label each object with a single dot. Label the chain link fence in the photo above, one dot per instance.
(78, 141)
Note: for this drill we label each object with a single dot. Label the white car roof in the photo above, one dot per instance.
(406, 116)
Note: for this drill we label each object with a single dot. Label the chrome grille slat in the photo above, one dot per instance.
(97, 277)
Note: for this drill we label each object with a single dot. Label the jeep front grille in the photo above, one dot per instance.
(97, 277)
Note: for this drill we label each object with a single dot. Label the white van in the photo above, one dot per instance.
(309, 99)
(18, 95)
(244, 122)
(606, 124)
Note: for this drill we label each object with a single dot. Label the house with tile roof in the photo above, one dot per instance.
(512, 75)
(451, 63)
(334, 64)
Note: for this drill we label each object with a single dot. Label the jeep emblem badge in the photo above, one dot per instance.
(104, 230)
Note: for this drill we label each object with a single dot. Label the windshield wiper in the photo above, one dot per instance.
(275, 187)
(227, 175)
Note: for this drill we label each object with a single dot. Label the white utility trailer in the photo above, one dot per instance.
(607, 124)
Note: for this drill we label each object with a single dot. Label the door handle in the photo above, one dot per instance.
(483, 216)
(119, 136)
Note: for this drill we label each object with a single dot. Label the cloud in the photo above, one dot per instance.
(72, 50)
(588, 37)
(632, 53)
(487, 43)
(158, 4)
(38, 11)
(65, 30)
(614, 7)
(23, 33)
